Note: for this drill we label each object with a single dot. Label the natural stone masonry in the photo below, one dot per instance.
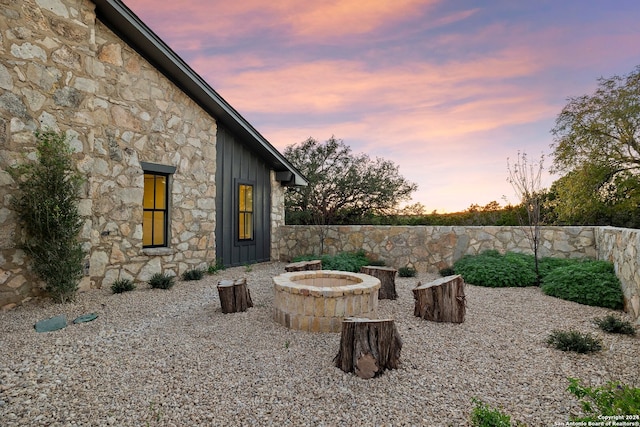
(318, 301)
(277, 214)
(62, 68)
(620, 247)
(431, 248)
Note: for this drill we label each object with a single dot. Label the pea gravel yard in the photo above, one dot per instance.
(172, 358)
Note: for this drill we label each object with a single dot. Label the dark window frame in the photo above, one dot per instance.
(166, 172)
(238, 213)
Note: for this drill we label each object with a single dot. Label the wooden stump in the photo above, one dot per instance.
(304, 266)
(387, 277)
(442, 300)
(368, 346)
(234, 295)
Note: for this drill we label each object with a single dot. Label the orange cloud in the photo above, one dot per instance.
(449, 99)
(316, 20)
(330, 19)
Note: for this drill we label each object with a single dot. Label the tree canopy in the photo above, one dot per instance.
(597, 147)
(342, 185)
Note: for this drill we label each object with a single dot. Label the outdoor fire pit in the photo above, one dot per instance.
(318, 301)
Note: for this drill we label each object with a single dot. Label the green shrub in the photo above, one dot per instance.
(587, 282)
(407, 272)
(615, 325)
(377, 262)
(122, 285)
(447, 271)
(193, 274)
(492, 269)
(346, 261)
(343, 261)
(47, 207)
(547, 264)
(584, 281)
(162, 281)
(485, 416)
(613, 398)
(574, 341)
(218, 266)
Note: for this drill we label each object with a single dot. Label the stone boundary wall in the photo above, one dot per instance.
(431, 248)
(620, 247)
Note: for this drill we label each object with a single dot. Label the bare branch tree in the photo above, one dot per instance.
(526, 180)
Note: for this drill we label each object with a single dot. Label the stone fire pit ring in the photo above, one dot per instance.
(318, 301)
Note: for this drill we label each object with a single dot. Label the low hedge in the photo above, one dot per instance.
(583, 281)
(590, 283)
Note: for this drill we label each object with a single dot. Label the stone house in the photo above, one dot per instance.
(175, 177)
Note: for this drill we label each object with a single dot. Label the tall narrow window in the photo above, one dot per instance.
(245, 212)
(155, 220)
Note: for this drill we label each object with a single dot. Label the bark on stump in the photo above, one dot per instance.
(442, 300)
(387, 277)
(234, 295)
(368, 346)
(304, 266)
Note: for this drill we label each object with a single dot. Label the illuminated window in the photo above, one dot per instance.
(155, 220)
(245, 212)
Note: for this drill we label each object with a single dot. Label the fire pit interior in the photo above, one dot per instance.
(317, 301)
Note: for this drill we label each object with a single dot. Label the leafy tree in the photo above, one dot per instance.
(343, 187)
(46, 205)
(526, 180)
(587, 196)
(414, 209)
(597, 146)
(490, 214)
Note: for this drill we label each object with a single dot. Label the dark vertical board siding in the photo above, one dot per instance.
(235, 162)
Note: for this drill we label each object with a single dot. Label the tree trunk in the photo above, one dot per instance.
(387, 277)
(234, 295)
(442, 300)
(304, 266)
(368, 346)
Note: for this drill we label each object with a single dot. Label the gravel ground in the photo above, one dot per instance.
(171, 358)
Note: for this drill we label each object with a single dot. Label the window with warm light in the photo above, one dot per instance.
(155, 204)
(245, 212)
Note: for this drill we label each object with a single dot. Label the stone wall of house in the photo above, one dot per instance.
(277, 214)
(620, 246)
(62, 69)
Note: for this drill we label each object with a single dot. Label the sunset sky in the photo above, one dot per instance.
(447, 90)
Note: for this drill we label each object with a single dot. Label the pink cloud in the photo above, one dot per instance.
(330, 19)
(316, 20)
(445, 101)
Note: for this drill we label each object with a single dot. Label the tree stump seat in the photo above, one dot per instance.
(234, 295)
(315, 264)
(387, 277)
(368, 346)
(442, 300)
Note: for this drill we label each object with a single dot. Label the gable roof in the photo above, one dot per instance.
(122, 21)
